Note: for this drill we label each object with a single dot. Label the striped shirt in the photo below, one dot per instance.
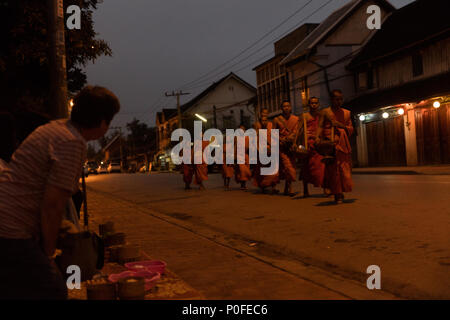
(53, 154)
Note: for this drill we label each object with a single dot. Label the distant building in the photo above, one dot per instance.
(271, 77)
(166, 122)
(225, 104)
(405, 67)
(112, 149)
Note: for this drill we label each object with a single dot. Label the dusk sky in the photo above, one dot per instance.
(161, 45)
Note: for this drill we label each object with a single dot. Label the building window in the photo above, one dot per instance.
(228, 122)
(417, 65)
(362, 80)
(304, 91)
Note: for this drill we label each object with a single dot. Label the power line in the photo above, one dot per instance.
(251, 46)
(268, 43)
(246, 66)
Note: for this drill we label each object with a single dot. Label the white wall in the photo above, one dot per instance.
(227, 93)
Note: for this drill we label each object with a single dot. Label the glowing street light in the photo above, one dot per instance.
(385, 115)
(436, 104)
(401, 111)
(200, 117)
(362, 117)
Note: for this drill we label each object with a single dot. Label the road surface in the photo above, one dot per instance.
(400, 223)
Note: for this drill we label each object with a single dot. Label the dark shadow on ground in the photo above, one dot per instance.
(332, 203)
(315, 196)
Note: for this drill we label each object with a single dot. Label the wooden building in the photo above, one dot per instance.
(317, 64)
(402, 89)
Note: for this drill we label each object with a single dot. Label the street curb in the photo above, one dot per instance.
(404, 172)
(390, 172)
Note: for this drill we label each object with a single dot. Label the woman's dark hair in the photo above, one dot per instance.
(92, 105)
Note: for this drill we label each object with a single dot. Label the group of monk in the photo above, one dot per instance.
(308, 131)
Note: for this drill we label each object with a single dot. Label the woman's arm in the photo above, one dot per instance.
(52, 210)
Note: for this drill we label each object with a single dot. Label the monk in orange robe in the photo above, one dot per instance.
(337, 120)
(227, 169)
(242, 172)
(187, 170)
(288, 125)
(313, 168)
(201, 170)
(264, 181)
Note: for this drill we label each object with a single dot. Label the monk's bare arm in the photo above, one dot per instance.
(349, 126)
(320, 125)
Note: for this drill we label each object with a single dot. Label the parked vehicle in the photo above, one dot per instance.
(114, 167)
(92, 167)
(103, 168)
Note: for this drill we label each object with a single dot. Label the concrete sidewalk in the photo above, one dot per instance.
(426, 170)
(215, 270)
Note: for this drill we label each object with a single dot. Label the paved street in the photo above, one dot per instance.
(306, 247)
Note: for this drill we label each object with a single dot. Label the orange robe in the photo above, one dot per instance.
(263, 181)
(287, 129)
(227, 169)
(201, 170)
(338, 174)
(242, 172)
(188, 171)
(314, 169)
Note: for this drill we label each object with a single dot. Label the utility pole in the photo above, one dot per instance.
(58, 101)
(177, 94)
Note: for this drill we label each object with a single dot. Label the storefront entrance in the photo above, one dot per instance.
(386, 142)
(433, 135)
